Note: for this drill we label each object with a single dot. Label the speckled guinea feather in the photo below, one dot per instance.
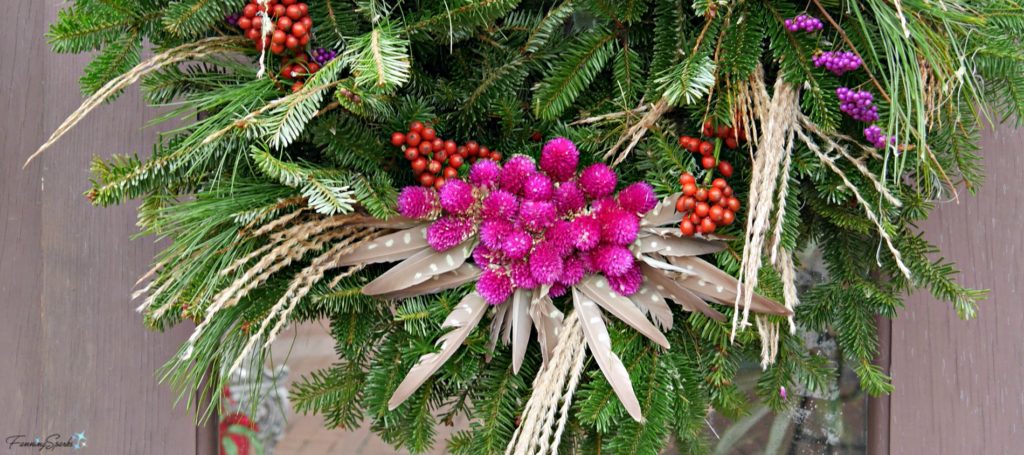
(419, 268)
(597, 289)
(548, 322)
(466, 273)
(663, 213)
(670, 245)
(651, 302)
(710, 282)
(463, 318)
(388, 248)
(668, 287)
(520, 314)
(600, 344)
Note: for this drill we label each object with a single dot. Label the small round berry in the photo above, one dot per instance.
(278, 37)
(707, 162)
(249, 11)
(701, 209)
(397, 139)
(728, 216)
(727, 191)
(681, 204)
(294, 12)
(707, 226)
(284, 24)
(426, 179)
(687, 178)
(716, 213)
(708, 130)
(725, 169)
(412, 139)
(450, 147)
(297, 86)
(416, 127)
(734, 204)
(439, 182)
(719, 183)
(450, 173)
(299, 30)
(689, 189)
(686, 227)
(473, 148)
(425, 148)
(456, 161)
(304, 9)
(723, 131)
(701, 194)
(496, 156)
(689, 203)
(714, 194)
(419, 165)
(695, 219)
(429, 134)
(731, 142)
(440, 156)
(434, 167)
(291, 42)
(706, 148)
(411, 153)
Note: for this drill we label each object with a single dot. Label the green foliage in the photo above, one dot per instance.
(238, 153)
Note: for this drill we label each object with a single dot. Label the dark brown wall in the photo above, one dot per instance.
(74, 355)
(960, 385)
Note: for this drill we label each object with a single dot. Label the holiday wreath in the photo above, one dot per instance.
(651, 168)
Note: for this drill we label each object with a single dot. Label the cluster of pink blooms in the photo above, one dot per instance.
(838, 62)
(857, 104)
(539, 224)
(805, 23)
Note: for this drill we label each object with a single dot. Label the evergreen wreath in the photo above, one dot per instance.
(837, 122)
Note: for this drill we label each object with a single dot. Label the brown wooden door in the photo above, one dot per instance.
(74, 356)
(960, 385)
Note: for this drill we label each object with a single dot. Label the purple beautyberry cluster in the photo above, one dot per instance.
(876, 137)
(838, 62)
(538, 225)
(805, 23)
(232, 19)
(857, 104)
(322, 56)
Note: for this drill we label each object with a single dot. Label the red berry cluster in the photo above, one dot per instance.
(705, 208)
(291, 29)
(435, 160)
(731, 137)
(297, 69)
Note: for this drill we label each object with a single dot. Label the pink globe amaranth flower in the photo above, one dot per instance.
(538, 187)
(638, 198)
(521, 276)
(494, 286)
(516, 244)
(416, 202)
(448, 232)
(557, 290)
(618, 226)
(484, 173)
(561, 236)
(515, 172)
(587, 232)
(456, 196)
(612, 260)
(499, 205)
(537, 215)
(569, 198)
(628, 283)
(545, 264)
(574, 269)
(559, 159)
(482, 256)
(493, 233)
(598, 180)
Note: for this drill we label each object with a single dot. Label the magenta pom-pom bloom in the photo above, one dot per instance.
(493, 233)
(612, 260)
(500, 205)
(516, 170)
(417, 202)
(559, 159)
(457, 197)
(618, 226)
(521, 275)
(494, 286)
(638, 198)
(598, 180)
(484, 173)
(569, 198)
(535, 226)
(628, 283)
(545, 264)
(588, 232)
(448, 232)
(538, 187)
(537, 215)
(517, 244)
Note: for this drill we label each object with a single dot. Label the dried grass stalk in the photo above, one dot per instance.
(172, 56)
